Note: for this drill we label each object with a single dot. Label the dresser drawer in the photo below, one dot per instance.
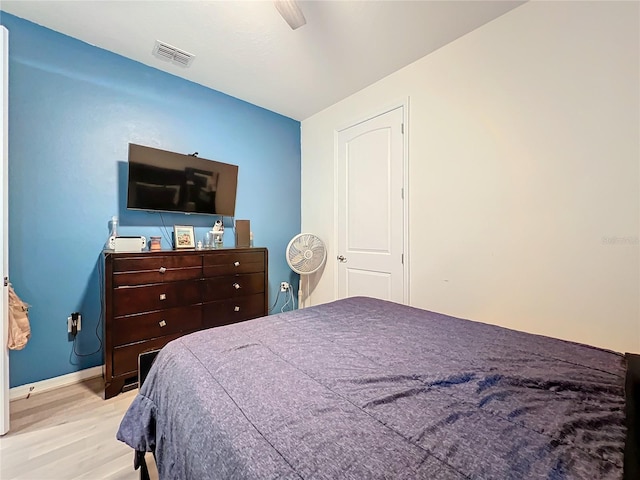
(231, 286)
(134, 328)
(224, 312)
(125, 359)
(129, 300)
(157, 269)
(232, 263)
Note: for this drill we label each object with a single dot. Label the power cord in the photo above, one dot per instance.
(275, 303)
(289, 299)
(165, 232)
(98, 325)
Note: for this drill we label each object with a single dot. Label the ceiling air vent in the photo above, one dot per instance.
(170, 53)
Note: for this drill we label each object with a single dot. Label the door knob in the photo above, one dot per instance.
(342, 259)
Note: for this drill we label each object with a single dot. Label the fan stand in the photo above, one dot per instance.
(300, 304)
(301, 300)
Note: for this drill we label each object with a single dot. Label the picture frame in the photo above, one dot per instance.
(183, 237)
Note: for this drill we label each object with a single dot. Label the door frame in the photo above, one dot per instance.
(4, 240)
(404, 104)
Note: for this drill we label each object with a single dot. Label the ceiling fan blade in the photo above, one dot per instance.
(291, 12)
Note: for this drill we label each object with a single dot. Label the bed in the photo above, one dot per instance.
(366, 389)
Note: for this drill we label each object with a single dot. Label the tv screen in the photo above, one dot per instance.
(173, 182)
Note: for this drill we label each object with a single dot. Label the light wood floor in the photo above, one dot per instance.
(67, 433)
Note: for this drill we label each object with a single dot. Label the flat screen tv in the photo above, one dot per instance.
(173, 182)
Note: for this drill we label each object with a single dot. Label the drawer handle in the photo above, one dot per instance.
(236, 308)
(237, 264)
(162, 323)
(236, 286)
(162, 270)
(163, 296)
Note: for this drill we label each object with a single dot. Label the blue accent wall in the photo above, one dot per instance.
(73, 110)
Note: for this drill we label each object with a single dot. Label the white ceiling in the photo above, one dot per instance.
(245, 49)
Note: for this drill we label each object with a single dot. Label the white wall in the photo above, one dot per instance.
(524, 153)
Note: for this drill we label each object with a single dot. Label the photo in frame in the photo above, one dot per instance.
(183, 236)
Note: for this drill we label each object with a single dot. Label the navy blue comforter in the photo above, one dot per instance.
(365, 389)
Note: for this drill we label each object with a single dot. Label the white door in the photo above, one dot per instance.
(4, 243)
(371, 219)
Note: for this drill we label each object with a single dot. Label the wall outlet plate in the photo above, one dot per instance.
(70, 324)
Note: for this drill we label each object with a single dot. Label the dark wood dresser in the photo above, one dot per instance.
(152, 298)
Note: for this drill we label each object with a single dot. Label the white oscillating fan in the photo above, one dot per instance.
(306, 253)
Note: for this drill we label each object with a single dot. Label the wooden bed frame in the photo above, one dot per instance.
(145, 360)
(632, 394)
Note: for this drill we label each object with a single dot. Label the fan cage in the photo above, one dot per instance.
(306, 253)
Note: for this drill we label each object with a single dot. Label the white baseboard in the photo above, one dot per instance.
(22, 391)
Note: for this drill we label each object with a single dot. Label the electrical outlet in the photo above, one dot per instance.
(284, 286)
(74, 323)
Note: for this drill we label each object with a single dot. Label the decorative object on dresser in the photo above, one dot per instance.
(183, 237)
(154, 297)
(128, 244)
(155, 243)
(216, 233)
(243, 229)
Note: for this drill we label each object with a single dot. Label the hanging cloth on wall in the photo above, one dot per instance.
(19, 329)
